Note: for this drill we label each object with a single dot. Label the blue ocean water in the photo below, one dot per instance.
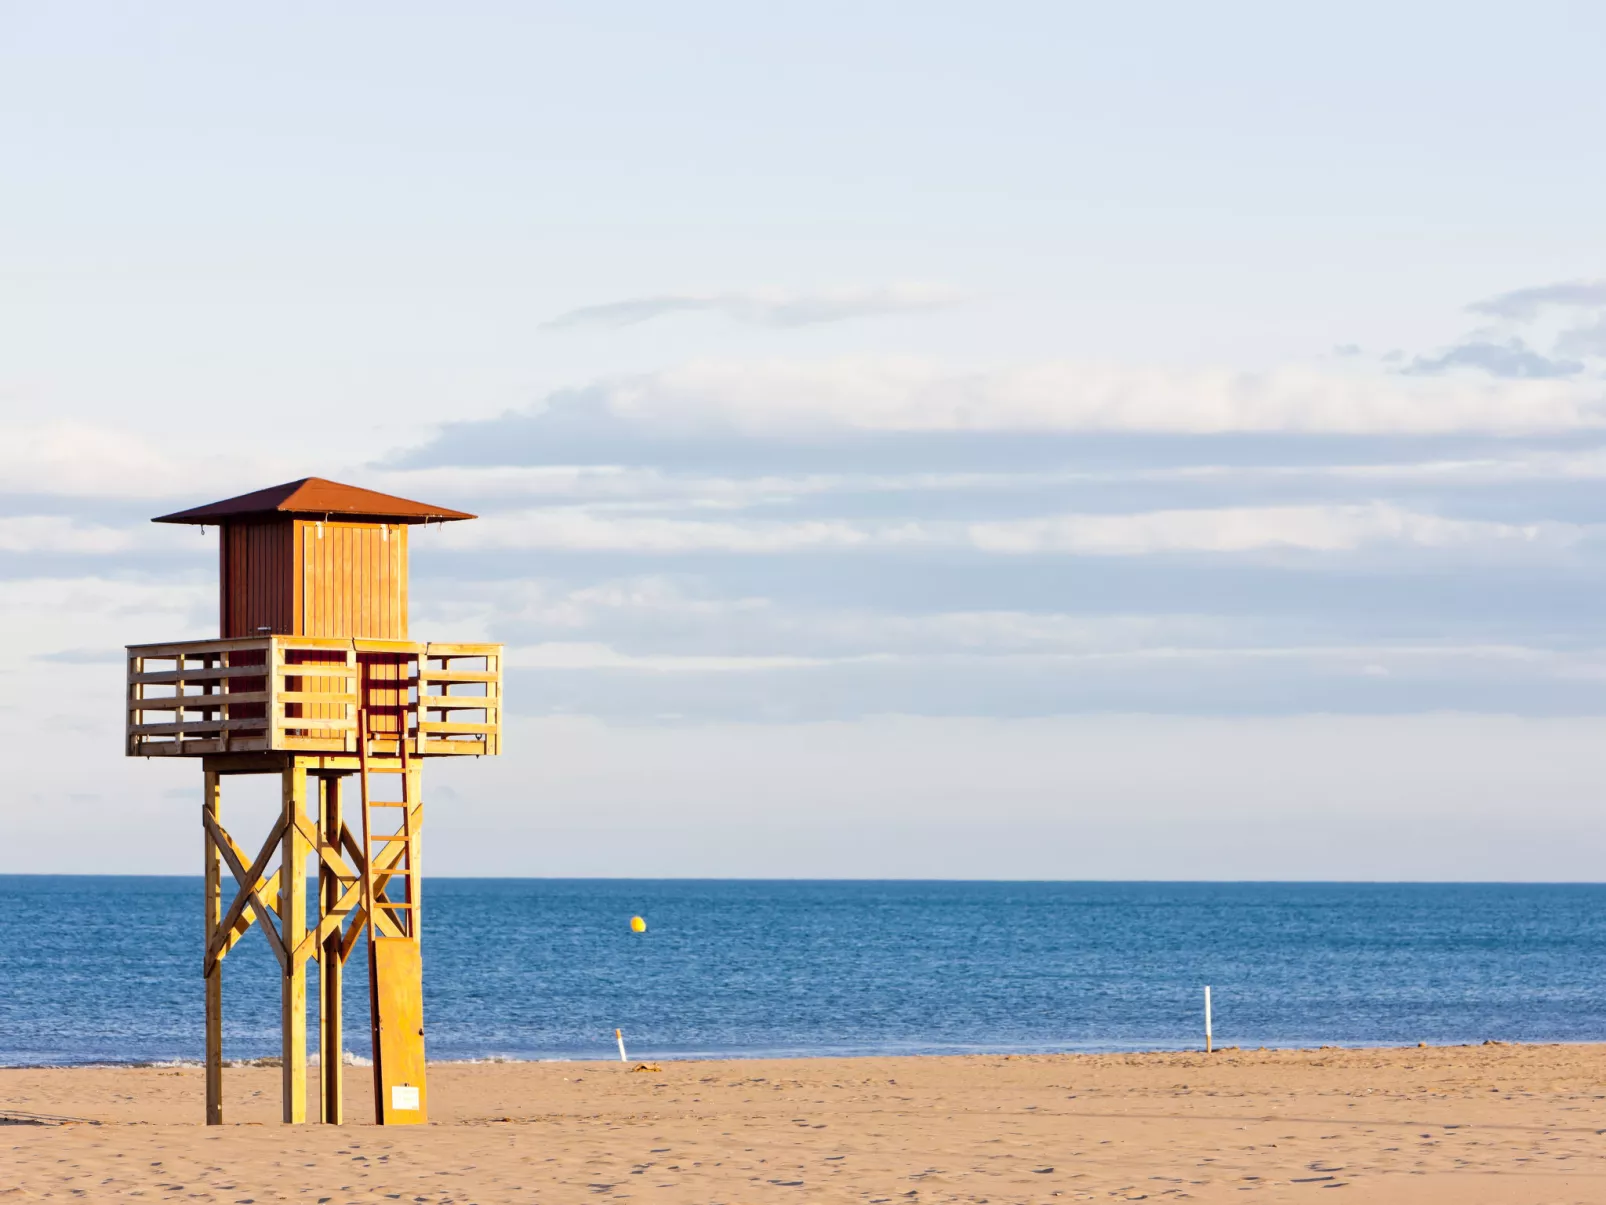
(103, 969)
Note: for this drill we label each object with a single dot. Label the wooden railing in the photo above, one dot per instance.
(302, 694)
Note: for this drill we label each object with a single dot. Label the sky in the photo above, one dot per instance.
(967, 441)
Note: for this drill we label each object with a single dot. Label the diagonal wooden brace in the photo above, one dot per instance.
(348, 905)
(227, 939)
(249, 895)
(267, 889)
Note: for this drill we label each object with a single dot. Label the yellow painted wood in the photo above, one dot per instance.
(213, 969)
(396, 973)
(395, 966)
(203, 702)
(331, 968)
(253, 887)
(352, 579)
(304, 693)
(293, 928)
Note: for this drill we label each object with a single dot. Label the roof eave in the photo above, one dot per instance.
(204, 518)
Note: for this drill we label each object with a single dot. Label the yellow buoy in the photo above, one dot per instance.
(637, 925)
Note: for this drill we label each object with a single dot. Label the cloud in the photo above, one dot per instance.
(1523, 305)
(561, 655)
(84, 622)
(728, 410)
(1230, 530)
(1175, 681)
(763, 309)
(885, 394)
(1587, 340)
(84, 656)
(643, 489)
(53, 534)
(95, 460)
(1250, 529)
(1512, 359)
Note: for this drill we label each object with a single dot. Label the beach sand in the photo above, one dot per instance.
(1481, 1124)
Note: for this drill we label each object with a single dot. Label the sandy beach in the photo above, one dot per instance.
(1506, 1124)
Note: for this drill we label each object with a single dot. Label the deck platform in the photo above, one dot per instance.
(302, 694)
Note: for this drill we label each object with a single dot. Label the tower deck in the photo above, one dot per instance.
(302, 694)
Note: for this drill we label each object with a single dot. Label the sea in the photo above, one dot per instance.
(108, 970)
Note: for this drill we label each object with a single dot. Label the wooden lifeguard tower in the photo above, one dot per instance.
(314, 678)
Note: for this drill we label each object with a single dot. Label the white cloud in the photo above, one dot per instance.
(640, 487)
(774, 308)
(93, 615)
(1523, 305)
(588, 655)
(683, 631)
(590, 530)
(1369, 659)
(1249, 529)
(777, 397)
(1208, 530)
(96, 460)
(536, 603)
(59, 534)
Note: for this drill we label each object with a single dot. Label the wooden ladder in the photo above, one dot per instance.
(376, 883)
(395, 959)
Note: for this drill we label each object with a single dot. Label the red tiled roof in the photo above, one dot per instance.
(315, 496)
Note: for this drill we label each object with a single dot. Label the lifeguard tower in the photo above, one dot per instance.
(314, 678)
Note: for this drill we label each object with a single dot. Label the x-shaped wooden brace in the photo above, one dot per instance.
(251, 900)
(350, 902)
(256, 898)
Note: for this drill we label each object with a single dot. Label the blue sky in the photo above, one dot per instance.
(1005, 441)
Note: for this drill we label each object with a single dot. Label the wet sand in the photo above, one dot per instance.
(1485, 1124)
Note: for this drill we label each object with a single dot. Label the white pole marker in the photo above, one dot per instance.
(1207, 1019)
(620, 1035)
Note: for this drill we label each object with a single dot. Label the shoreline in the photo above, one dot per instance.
(357, 1060)
(1479, 1124)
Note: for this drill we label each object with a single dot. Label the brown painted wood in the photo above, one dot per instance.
(256, 578)
(315, 496)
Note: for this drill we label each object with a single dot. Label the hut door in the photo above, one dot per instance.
(396, 973)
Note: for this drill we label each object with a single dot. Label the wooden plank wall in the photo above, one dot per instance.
(257, 574)
(353, 579)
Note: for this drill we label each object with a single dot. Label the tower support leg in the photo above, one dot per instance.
(213, 967)
(331, 966)
(293, 929)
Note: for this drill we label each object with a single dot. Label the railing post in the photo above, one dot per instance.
(353, 687)
(275, 683)
(136, 692)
